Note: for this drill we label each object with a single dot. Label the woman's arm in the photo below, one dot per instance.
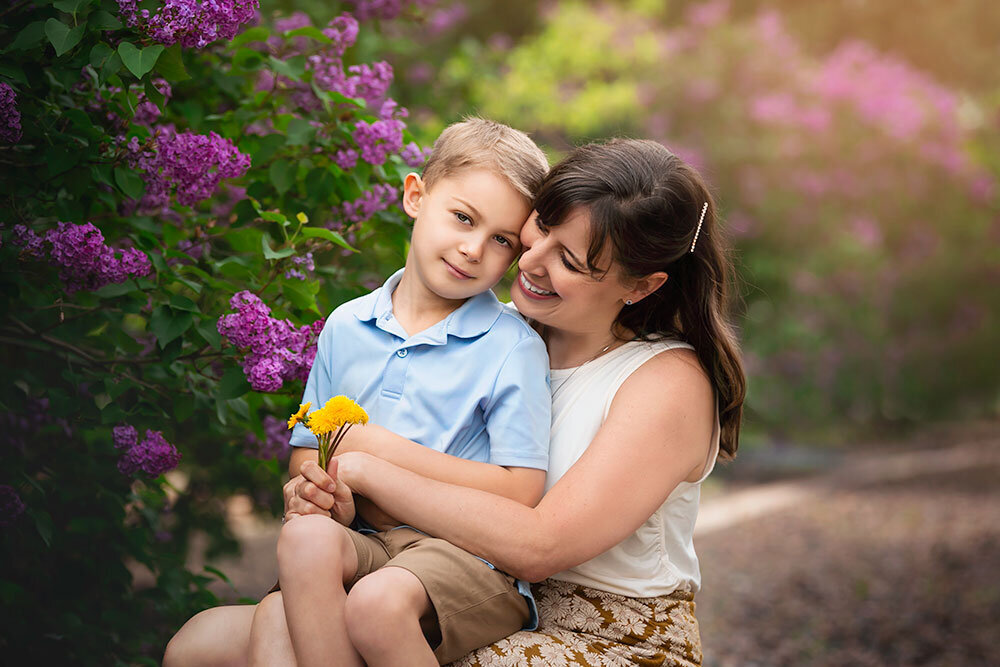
(657, 434)
(523, 485)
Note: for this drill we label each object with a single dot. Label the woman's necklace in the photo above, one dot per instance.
(570, 376)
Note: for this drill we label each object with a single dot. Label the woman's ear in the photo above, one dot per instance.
(413, 192)
(645, 286)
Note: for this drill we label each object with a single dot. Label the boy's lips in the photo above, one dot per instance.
(461, 275)
(531, 290)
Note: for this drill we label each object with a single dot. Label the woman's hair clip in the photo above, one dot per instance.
(698, 231)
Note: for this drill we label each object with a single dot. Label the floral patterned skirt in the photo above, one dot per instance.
(585, 626)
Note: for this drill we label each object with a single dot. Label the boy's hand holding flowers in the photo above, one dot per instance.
(329, 424)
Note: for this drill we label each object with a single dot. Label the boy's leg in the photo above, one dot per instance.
(464, 603)
(316, 557)
(383, 618)
(270, 643)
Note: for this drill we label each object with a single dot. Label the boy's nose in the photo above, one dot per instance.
(471, 251)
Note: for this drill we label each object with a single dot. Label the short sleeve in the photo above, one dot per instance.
(519, 412)
(319, 388)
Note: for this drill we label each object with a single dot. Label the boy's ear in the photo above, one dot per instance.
(413, 193)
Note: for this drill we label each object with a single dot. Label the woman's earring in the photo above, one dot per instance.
(628, 302)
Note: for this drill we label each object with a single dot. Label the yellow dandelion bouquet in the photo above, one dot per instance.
(330, 423)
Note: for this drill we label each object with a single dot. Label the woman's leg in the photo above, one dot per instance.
(270, 643)
(315, 558)
(383, 618)
(218, 637)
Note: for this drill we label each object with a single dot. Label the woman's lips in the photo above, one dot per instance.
(527, 286)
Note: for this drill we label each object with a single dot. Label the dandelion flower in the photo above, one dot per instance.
(299, 416)
(338, 411)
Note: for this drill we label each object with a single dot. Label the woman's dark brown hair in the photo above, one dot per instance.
(646, 202)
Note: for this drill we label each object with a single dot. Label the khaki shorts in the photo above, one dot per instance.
(473, 604)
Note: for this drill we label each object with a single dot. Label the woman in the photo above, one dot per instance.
(625, 277)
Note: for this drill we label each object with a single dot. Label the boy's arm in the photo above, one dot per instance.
(517, 418)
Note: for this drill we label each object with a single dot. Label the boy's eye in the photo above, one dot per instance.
(502, 240)
(463, 218)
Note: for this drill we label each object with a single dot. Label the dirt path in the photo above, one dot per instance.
(890, 559)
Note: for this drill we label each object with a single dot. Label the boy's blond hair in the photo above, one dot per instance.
(477, 142)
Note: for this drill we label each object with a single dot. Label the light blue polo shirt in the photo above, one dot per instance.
(475, 385)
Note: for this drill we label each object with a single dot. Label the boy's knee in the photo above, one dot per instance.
(310, 541)
(383, 599)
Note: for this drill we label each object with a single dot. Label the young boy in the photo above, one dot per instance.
(435, 358)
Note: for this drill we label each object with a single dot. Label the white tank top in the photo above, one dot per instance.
(658, 558)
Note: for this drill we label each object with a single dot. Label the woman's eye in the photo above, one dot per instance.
(463, 218)
(541, 225)
(567, 264)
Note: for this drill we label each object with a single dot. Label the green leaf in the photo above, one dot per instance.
(70, 6)
(329, 235)
(103, 20)
(12, 71)
(257, 34)
(272, 254)
(210, 333)
(154, 95)
(99, 54)
(29, 37)
(139, 62)
(129, 182)
(248, 59)
(275, 216)
(217, 572)
(59, 159)
(309, 31)
(268, 146)
(183, 406)
(62, 37)
(111, 67)
(300, 296)
(183, 303)
(171, 65)
(293, 68)
(43, 524)
(101, 401)
(166, 324)
(282, 175)
(299, 132)
(233, 384)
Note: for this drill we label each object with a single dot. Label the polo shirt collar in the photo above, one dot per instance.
(471, 319)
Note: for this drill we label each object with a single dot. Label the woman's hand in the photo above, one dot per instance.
(314, 491)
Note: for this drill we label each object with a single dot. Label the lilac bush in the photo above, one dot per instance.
(153, 173)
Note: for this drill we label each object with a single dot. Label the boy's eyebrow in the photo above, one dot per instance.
(468, 205)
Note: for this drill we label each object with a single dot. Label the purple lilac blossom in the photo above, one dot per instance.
(153, 456)
(191, 165)
(346, 158)
(274, 444)
(125, 436)
(304, 265)
(446, 18)
(11, 505)
(10, 117)
(275, 350)
(343, 30)
(83, 259)
(190, 22)
(376, 140)
(414, 156)
(379, 198)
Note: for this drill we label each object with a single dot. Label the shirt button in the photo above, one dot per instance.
(401, 353)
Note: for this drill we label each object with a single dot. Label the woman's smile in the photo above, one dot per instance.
(531, 290)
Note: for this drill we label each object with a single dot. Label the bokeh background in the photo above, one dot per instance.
(854, 150)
